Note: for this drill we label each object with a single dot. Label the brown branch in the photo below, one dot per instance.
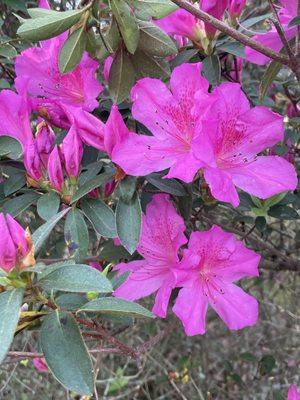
(240, 37)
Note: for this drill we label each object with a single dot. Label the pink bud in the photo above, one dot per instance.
(45, 141)
(72, 150)
(40, 364)
(55, 171)
(96, 265)
(236, 7)
(292, 111)
(109, 187)
(32, 161)
(8, 250)
(216, 8)
(106, 67)
(94, 194)
(18, 235)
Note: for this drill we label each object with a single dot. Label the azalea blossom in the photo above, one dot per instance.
(216, 8)
(271, 39)
(16, 248)
(293, 393)
(233, 134)
(40, 364)
(213, 261)
(236, 7)
(162, 236)
(168, 115)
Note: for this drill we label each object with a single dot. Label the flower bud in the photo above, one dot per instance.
(45, 141)
(32, 161)
(55, 171)
(72, 150)
(236, 8)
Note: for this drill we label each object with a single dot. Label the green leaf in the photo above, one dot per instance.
(79, 278)
(40, 12)
(76, 234)
(283, 212)
(270, 74)
(167, 185)
(42, 233)
(15, 182)
(266, 364)
(127, 187)
(66, 353)
(146, 65)
(121, 76)
(250, 357)
(128, 221)
(48, 205)
(16, 4)
(101, 217)
(154, 8)
(7, 50)
(295, 21)
(235, 48)
(19, 204)
(260, 223)
(115, 306)
(10, 148)
(112, 253)
(10, 305)
(70, 301)
(127, 24)
(211, 69)
(49, 26)
(154, 41)
(72, 51)
(92, 184)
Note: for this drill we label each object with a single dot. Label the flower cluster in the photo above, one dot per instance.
(210, 264)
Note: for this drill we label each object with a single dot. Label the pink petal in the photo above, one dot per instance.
(191, 308)
(235, 307)
(130, 266)
(162, 299)
(115, 130)
(293, 394)
(221, 185)
(8, 250)
(265, 177)
(185, 167)
(72, 150)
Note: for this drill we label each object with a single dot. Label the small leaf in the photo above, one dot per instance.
(121, 77)
(76, 235)
(72, 51)
(10, 148)
(71, 301)
(154, 8)
(48, 205)
(127, 24)
(127, 187)
(128, 221)
(112, 253)
(266, 364)
(42, 233)
(295, 21)
(270, 74)
(283, 212)
(154, 41)
(101, 217)
(260, 223)
(19, 204)
(235, 48)
(15, 182)
(78, 278)
(115, 306)
(10, 307)
(66, 353)
(49, 26)
(167, 185)
(248, 357)
(92, 184)
(7, 50)
(211, 69)
(146, 65)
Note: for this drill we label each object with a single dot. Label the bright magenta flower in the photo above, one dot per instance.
(213, 260)
(55, 169)
(216, 8)
(162, 236)
(15, 244)
(168, 115)
(45, 140)
(271, 39)
(72, 152)
(40, 364)
(232, 136)
(236, 7)
(293, 394)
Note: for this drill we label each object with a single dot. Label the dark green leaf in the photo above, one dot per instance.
(49, 26)
(66, 354)
(260, 223)
(295, 21)
(76, 235)
(115, 306)
(101, 217)
(121, 77)
(146, 65)
(266, 364)
(14, 182)
(78, 278)
(48, 205)
(154, 41)
(70, 301)
(154, 8)
(112, 253)
(270, 74)
(235, 48)
(72, 51)
(283, 212)
(128, 221)
(19, 204)
(127, 187)
(248, 357)
(211, 69)
(167, 185)
(10, 305)
(42, 233)
(127, 24)
(10, 148)
(7, 50)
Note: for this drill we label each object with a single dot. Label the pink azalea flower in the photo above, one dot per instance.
(236, 7)
(232, 136)
(162, 236)
(55, 169)
(45, 140)
(216, 8)
(14, 245)
(167, 114)
(72, 152)
(271, 39)
(293, 394)
(40, 364)
(213, 261)
(115, 131)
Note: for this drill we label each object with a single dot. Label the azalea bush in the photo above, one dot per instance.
(148, 159)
